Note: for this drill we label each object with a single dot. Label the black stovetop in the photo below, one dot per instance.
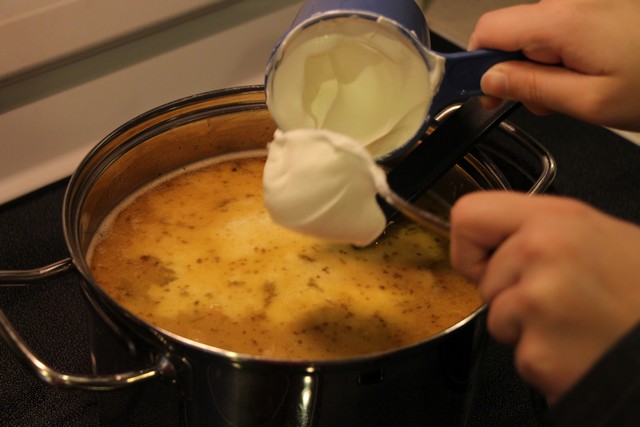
(594, 165)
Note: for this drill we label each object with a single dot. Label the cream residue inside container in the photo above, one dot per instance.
(352, 75)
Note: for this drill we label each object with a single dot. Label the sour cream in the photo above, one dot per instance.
(324, 184)
(357, 76)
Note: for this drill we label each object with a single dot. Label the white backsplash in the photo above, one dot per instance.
(50, 119)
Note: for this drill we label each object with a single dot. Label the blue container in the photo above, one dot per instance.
(455, 77)
(405, 13)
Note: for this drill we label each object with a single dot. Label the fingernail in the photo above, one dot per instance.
(494, 83)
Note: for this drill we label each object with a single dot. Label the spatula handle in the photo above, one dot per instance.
(462, 74)
(443, 148)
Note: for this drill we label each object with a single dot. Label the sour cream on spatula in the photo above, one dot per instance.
(324, 184)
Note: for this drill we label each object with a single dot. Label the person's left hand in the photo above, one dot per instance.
(562, 280)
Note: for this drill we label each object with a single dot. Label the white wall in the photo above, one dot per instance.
(53, 109)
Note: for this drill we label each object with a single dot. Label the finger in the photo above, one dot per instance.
(536, 361)
(521, 306)
(480, 222)
(531, 28)
(504, 319)
(504, 268)
(547, 88)
(490, 102)
(538, 242)
(536, 109)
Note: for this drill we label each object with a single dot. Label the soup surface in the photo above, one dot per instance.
(197, 254)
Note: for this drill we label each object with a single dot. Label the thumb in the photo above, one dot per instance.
(543, 88)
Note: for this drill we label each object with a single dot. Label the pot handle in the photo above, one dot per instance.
(26, 277)
(163, 367)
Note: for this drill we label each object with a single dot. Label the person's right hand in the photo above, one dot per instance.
(586, 53)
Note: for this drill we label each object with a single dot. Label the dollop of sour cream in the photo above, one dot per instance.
(324, 184)
(360, 77)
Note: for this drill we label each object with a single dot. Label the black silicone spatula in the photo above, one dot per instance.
(443, 148)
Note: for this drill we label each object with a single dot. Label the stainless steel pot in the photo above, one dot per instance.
(432, 380)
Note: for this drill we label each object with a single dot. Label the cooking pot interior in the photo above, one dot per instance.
(181, 133)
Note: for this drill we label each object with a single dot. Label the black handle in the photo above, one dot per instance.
(443, 148)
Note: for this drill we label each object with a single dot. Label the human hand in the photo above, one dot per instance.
(586, 53)
(561, 280)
